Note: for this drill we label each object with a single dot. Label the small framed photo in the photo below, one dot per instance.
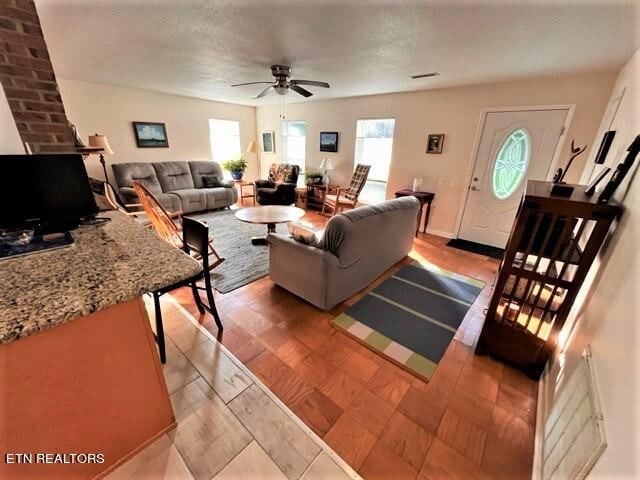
(329, 142)
(268, 142)
(150, 135)
(435, 141)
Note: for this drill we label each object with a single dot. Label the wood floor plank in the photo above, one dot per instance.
(371, 412)
(422, 409)
(208, 435)
(341, 388)
(444, 463)
(388, 386)
(350, 440)
(462, 435)
(407, 439)
(383, 463)
(318, 411)
(284, 441)
(218, 370)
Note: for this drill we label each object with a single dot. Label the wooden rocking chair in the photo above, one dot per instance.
(340, 198)
(167, 225)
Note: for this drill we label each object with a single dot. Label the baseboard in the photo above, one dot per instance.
(538, 439)
(440, 233)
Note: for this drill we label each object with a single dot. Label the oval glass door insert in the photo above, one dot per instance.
(510, 164)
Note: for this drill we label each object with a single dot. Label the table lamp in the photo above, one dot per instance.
(325, 166)
(100, 141)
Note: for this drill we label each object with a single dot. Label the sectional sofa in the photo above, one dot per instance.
(178, 186)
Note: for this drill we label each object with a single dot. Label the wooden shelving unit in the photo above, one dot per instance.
(551, 247)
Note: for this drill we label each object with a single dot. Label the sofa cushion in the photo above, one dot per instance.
(174, 176)
(199, 169)
(219, 197)
(192, 199)
(169, 201)
(144, 173)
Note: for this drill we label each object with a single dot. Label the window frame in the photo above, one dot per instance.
(355, 159)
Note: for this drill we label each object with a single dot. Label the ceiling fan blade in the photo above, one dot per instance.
(300, 90)
(250, 83)
(264, 92)
(310, 82)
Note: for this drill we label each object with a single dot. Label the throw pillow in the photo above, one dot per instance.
(303, 232)
(211, 181)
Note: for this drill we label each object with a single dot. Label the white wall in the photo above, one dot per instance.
(109, 110)
(9, 137)
(452, 111)
(608, 315)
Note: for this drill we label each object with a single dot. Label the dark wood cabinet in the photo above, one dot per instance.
(551, 247)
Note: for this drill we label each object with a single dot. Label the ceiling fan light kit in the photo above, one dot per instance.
(282, 84)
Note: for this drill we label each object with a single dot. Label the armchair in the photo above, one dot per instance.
(280, 187)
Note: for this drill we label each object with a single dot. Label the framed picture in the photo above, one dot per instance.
(268, 142)
(150, 135)
(329, 141)
(435, 141)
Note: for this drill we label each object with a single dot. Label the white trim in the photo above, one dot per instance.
(541, 414)
(321, 443)
(440, 233)
(478, 137)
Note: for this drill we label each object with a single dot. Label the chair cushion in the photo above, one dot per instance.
(330, 198)
(144, 173)
(174, 176)
(169, 201)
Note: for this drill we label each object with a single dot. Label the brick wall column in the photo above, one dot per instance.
(28, 80)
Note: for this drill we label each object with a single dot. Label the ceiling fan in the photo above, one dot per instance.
(282, 84)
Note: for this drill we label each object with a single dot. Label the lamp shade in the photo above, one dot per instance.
(252, 147)
(100, 141)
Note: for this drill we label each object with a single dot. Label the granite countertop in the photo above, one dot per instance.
(107, 264)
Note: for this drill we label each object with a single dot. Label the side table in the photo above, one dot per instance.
(423, 198)
(240, 184)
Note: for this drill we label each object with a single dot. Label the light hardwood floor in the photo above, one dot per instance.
(474, 419)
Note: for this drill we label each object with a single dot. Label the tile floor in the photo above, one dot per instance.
(229, 426)
(474, 419)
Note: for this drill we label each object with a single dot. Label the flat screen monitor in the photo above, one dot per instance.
(46, 192)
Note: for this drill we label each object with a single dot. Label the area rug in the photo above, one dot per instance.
(412, 316)
(244, 262)
(466, 245)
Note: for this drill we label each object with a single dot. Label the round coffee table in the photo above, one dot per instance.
(268, 215)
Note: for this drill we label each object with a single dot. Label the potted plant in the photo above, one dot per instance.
(313, 177)
(236, 166)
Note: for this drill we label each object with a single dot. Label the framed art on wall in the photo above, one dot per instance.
(435, 142)
(150, 135)
(329, 142)
(268, 142)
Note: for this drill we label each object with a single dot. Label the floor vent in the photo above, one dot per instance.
(574, 432)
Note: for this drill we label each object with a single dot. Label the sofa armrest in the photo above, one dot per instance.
(286, 188)
(129, 194)
(301, 269)
(263, 184)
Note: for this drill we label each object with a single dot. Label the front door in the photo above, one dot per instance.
(514, 146)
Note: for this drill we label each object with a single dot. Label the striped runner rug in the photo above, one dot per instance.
(412, 316)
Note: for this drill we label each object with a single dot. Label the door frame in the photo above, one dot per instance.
(478, 137)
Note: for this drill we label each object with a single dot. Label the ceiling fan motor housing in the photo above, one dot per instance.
(281, 71)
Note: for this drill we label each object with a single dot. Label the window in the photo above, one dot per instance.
(224, 136)
(293, 144)
(374, 142)
(510, 165)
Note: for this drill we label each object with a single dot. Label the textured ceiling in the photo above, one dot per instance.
(199, 47)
